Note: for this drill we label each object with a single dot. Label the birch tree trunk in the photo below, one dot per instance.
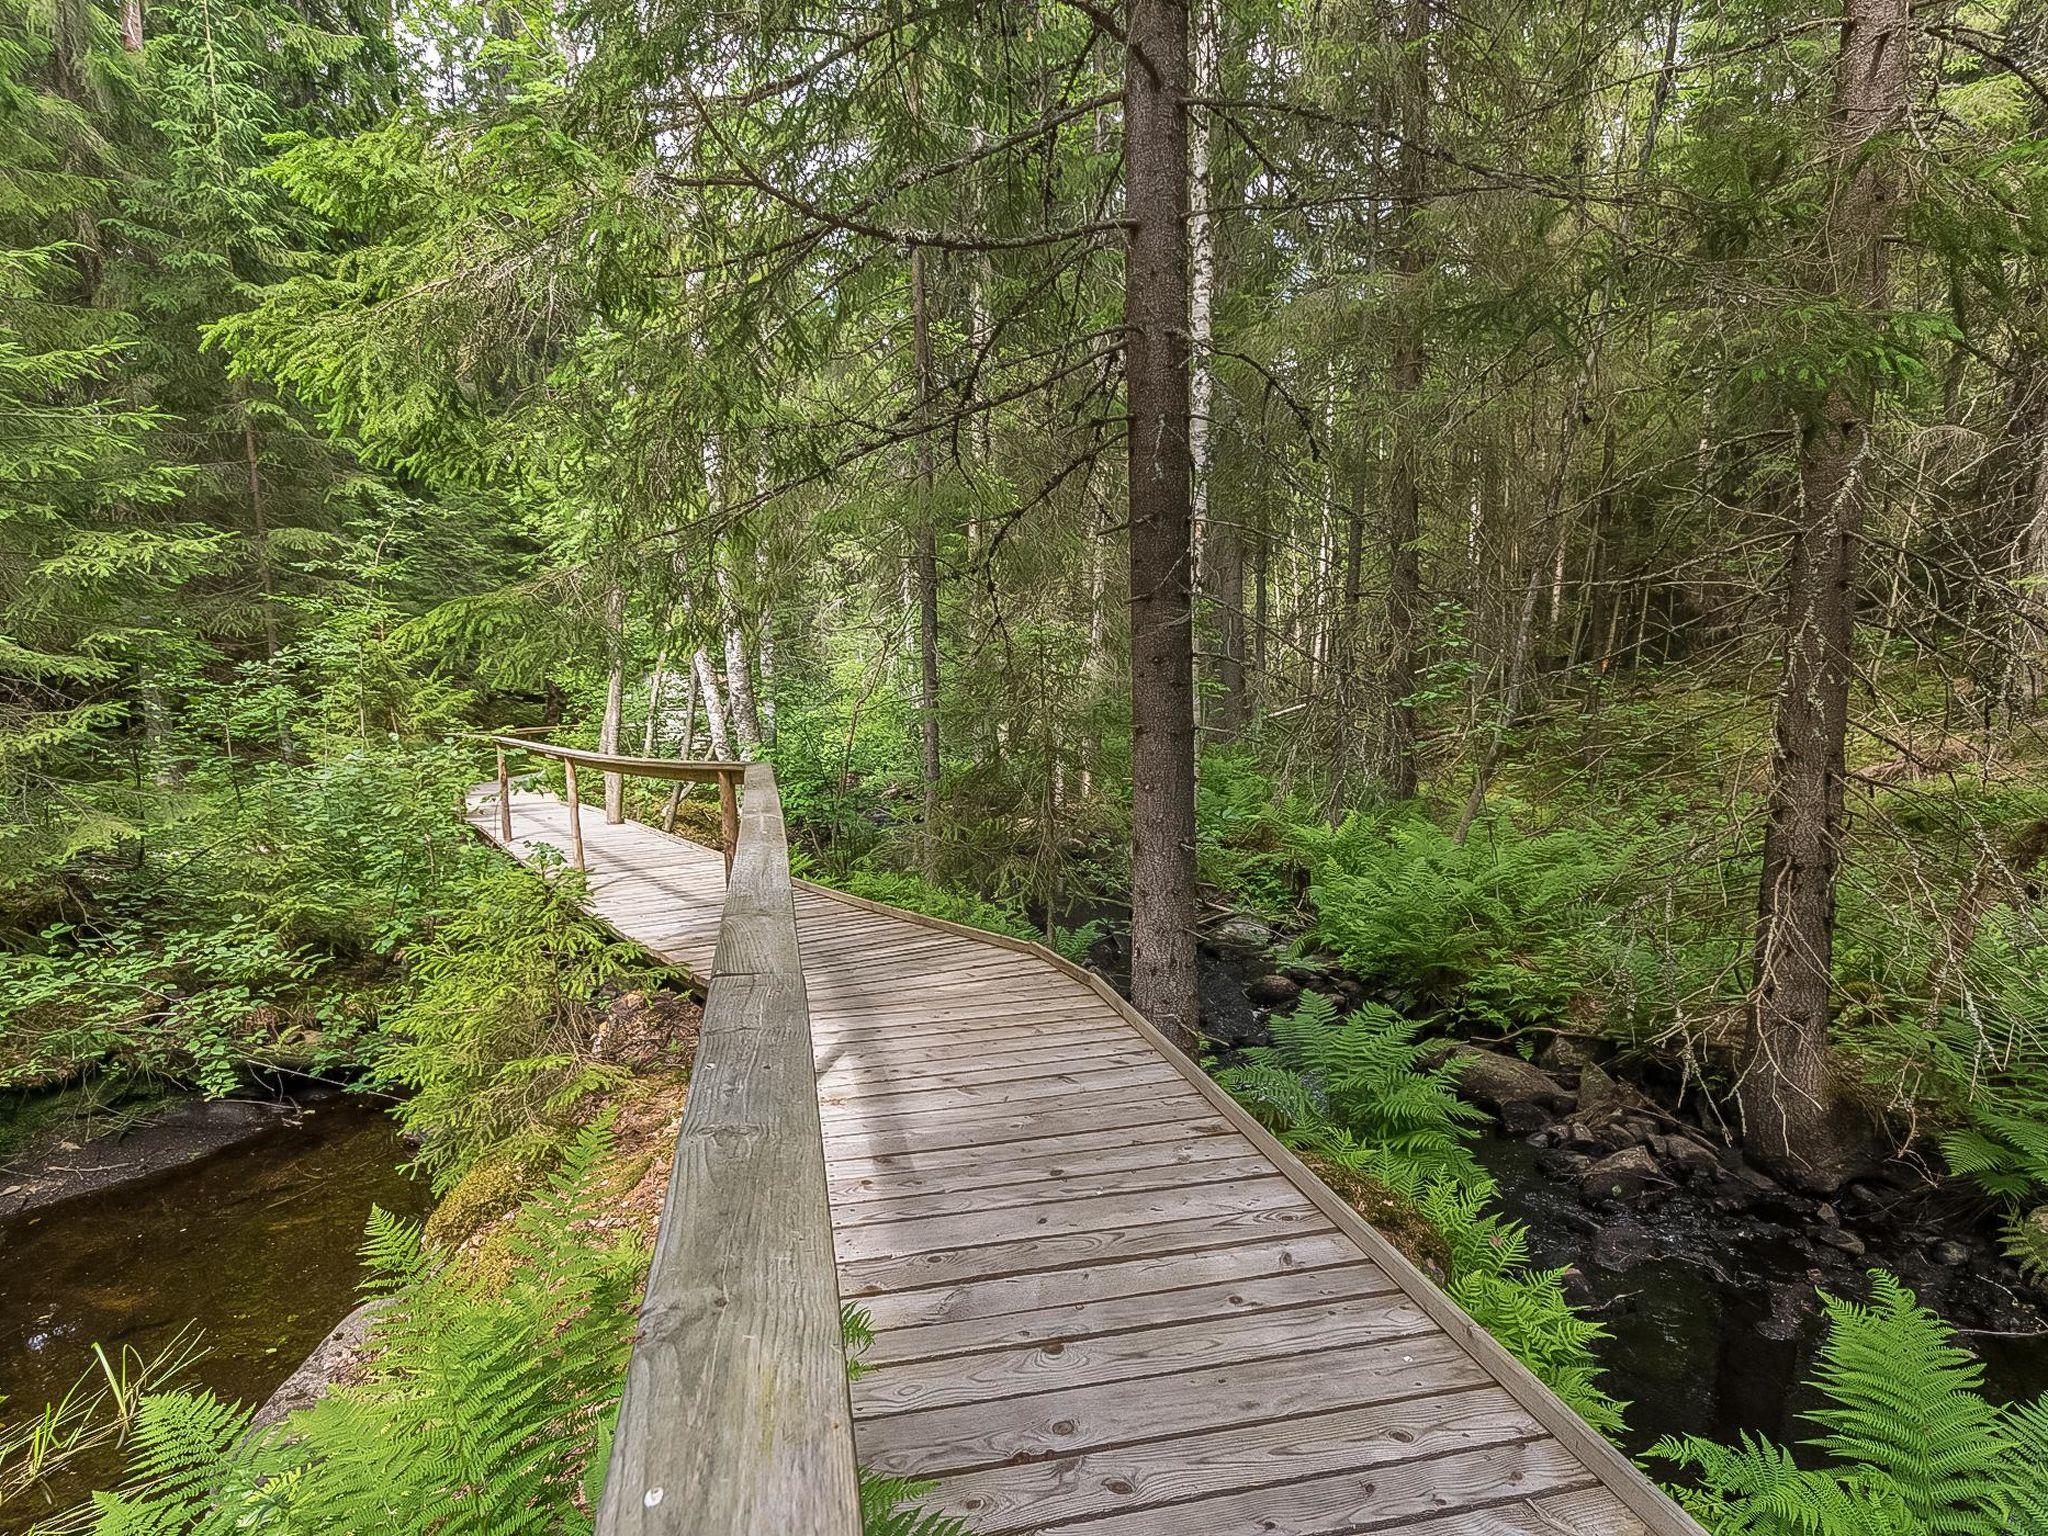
(714, 705)
(1794, 1118)
(1161, 487)
(742, 715)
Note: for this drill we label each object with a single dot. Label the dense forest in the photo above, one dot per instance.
(1376, 523)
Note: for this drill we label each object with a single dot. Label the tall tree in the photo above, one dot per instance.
(1156, 293)
(1793, 1113)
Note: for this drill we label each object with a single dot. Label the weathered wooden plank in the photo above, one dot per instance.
(958, 1230)
(1043, 1117)
(841, 1110)
(936, 1135)
(1115, 1181)
(1160, 1349)
(870, 1277)
(980, 1095)
(735, 1419)
(907, 1312)
(1165, 1127)
(1379, 1499)
(1067, 1321)
(942, 1441)
(1585, 1512)
(857, 1071)
(1040, 1178)
(1173, 1471)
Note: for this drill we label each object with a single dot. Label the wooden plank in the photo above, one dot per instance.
(741, 1313)
(1165, 1127)
(906, 1311)
(1061, 1325)
(956, 1088)
(1377, 1499)
(1627, 1481)
(1159, 1350)
(884, 1141)
(1046, 1171)
(942, 1441)
(915, 1050)
(841, 1109)
(860, 1070)
(860, 1278)
(1586, 1512)
(1013, 1017)
(1027, 1115)
(956, 1230)
(1028, 1497)
(1054, 1191)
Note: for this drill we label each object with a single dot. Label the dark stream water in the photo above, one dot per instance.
(254, 1246)
(1698, 1342)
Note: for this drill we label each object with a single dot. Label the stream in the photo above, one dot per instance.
(1700, 1341)
(254, 1246)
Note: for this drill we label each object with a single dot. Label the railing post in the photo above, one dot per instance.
(728, 819)
(575, 813)
(504, 801)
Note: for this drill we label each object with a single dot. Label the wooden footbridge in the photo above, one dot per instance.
(1105, 1301)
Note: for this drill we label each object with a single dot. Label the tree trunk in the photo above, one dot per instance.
(131, 25)
(1161, 497)
(926, 563)
(1209, 540)
(742, 715)
(1794, 1119)
(650, 729)
(614, 699)
(1404, 497)
(714, 705)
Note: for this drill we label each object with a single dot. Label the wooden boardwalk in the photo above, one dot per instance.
(1106, 1303)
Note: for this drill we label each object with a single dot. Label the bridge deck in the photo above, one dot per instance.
(1104, 1301)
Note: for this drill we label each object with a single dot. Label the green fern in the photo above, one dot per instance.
(1355, 1091)
(1915, 1449)
(488, 1402)
(889, 1507)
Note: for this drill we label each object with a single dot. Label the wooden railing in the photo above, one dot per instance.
(735, 1419)
(726, 775)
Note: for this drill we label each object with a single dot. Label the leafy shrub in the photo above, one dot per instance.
(484, 1407)
(1915, 1449)
(494, 1042)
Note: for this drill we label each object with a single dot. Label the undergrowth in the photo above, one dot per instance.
(1355, 1092)
(1912, 1447)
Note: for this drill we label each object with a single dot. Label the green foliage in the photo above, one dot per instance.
(889, 1507)
(917, 895)
(486, 1406)
(1914, 1448)
(1505, 929)
(233, 943)
(1354, 1091)
(494, 1042)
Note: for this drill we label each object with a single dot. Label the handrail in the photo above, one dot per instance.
(726, 775)
(735, 1419)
